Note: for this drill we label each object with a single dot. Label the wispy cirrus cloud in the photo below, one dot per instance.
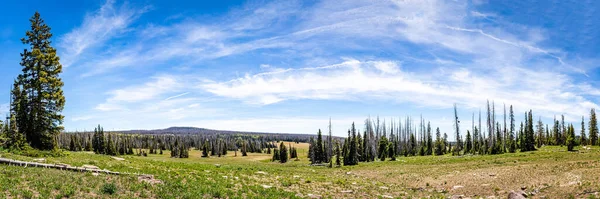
(429, 54)
(98, 27)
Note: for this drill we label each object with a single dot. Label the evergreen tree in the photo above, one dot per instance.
(540, 133)
(205, 149)
(88, 145)
(383, 148)
(99, 143)
(439, 144)
(319, 152)
(570, 138)
(391, 151)
(429, 150)
(412, 148)
(511, 137)
(110, 146)
(529, 137)
(583, 138)
(593, 128)
(337, 154)
(352, 148)
(445, 141)
(283, 153)
(175, 149)
(244, 149)
(469, 144)
(556, 132)
(72, 144)
(40, 80)
(275, 155)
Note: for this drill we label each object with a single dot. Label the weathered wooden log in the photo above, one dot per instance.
(12, 162)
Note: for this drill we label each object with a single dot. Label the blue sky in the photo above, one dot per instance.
(288, 66)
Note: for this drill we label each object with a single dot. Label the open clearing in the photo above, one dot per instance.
(550, 172)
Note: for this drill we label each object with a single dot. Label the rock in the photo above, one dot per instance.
(386, 196)
(515, 195)
(457, 187)
(458, 196)
(149, 179)
(85, 166)
(347, 191)
(117, 158)
(384, 188)
(266, 186)
(261, 172)
(39, 160)
(523, 188)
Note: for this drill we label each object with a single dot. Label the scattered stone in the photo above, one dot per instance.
(85, 166)
(492, 174)
(570, 184)
(296, 176)
(353, 183)
(95, 174)
(515, 195)
(386, 196)
(310, 195)
(117, 158)
(39, 160)
(491, 197)
(523, 188)
(237, 178)
(218, 165)
(485, 185)
(149, 179)
(458, 196)
(347, 191)
(457, 187)
(384, 188)
(225, 177)
(261, 172)
(266, 186)
(348, 173)
(299, 195)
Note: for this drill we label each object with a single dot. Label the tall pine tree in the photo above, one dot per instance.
(41, 82)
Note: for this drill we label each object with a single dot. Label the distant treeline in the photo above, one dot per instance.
(405, 137)
(179, 140)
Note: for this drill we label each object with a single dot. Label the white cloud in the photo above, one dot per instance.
(547, 93)
(154, 89)
(98, 27)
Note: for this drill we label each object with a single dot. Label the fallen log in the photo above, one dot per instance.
(66, 167)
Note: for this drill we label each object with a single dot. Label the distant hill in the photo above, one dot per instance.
(204, 131)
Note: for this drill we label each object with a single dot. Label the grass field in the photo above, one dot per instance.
(550, 172)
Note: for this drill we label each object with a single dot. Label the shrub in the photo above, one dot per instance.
(109, 188)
